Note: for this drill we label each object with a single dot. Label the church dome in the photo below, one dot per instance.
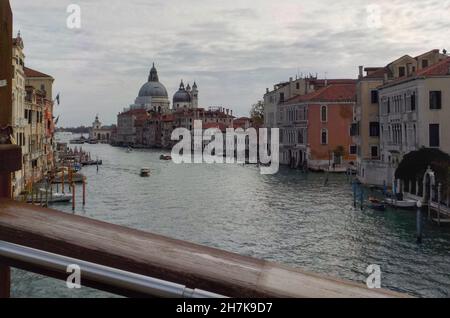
(153, 88)
(182, 96)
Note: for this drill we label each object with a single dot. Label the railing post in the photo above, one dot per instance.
(10, 161)
(5, 281)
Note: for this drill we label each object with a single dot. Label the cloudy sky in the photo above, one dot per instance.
(234, 49)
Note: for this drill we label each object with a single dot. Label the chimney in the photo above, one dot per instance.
(228, 111)
(267, 90)
(231, 112)
(361, 69)
(291, 79)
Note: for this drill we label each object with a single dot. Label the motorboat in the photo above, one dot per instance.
(45, 196)
(377, 205)
(92, 163)
(77, 141)
(145, 172)
(165, 157)
(402, 204)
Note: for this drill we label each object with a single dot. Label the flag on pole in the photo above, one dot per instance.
(56, 121)
(57, 98)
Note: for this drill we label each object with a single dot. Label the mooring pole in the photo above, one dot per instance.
(361, 197)
(84, 191)
(430, 201)
(73, 197)
(439, 203)
(62, 184)
(419, 222)
(354, 194)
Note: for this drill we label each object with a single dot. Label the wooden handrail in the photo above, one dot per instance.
(164, 258)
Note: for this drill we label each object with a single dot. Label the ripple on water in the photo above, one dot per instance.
(288, 218)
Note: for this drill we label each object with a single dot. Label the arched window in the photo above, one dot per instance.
(324, 137)
(324, 114)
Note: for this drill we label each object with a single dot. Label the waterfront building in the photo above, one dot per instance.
(100, 132)
(414, 113)
(126, 126)
(282, 92)
(32, 119)
(167, 127)
(366, 130)
(314, 128)
(150, 125)
(39, 113)
(19, 123)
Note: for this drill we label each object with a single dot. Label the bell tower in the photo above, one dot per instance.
(194, 94)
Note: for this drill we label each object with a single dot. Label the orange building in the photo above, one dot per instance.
(316, 128)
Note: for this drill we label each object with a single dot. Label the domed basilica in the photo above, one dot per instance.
(153, 95)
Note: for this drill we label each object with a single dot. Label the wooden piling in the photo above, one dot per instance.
(361, 197)
(439, 204)
(419, 223)
(62, 181)
(73, 197)
(84, 191)
(46, 194)
(354, 194)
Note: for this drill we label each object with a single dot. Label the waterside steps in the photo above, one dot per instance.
(129, 262)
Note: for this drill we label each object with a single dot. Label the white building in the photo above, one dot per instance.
(100, 132)
(414, 113)
(20, 123)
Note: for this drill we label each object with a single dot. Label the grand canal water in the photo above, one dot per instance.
(290, 217)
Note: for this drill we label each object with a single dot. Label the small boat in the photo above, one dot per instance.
(45, 196)
(376, 205)
(402, 204)
(165, 157)
(77, 141)
(92, 163)
(129, 150)
(145, 172)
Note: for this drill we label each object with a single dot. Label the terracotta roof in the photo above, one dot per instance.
(220, 126)
(440, 68)
(33, 73)
(167, 118)
(331, 93)
(136, 112)
(322, 82)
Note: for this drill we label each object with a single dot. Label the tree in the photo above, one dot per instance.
(257, 113)
(415, 163)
